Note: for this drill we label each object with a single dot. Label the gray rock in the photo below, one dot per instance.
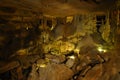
(70, 63)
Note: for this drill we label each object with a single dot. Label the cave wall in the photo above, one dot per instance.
(48, 45)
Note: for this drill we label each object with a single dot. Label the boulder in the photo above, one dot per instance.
(93, 74)
(51, 71)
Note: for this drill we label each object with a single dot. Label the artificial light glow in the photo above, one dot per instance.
(100, 49)
(72, 57)
(41, 65)
(105, 51)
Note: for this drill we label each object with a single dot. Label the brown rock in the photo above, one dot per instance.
(56, 59)
(51, 72)
(8, 66)
(93, 74)
(55, 72)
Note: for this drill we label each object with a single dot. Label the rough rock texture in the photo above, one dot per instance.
(93, 74)
(51, 72)
(53, 7)
(60, 54)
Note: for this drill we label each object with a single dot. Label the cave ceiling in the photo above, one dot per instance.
(54, 7)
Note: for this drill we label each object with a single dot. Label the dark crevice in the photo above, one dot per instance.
(8, 9)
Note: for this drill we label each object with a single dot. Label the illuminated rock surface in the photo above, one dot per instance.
(59, 40)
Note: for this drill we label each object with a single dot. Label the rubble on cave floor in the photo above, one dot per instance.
(84, 54)
(63, 60)
(68, 64)
(71, 67)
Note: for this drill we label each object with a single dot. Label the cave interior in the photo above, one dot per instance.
(40, 37)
